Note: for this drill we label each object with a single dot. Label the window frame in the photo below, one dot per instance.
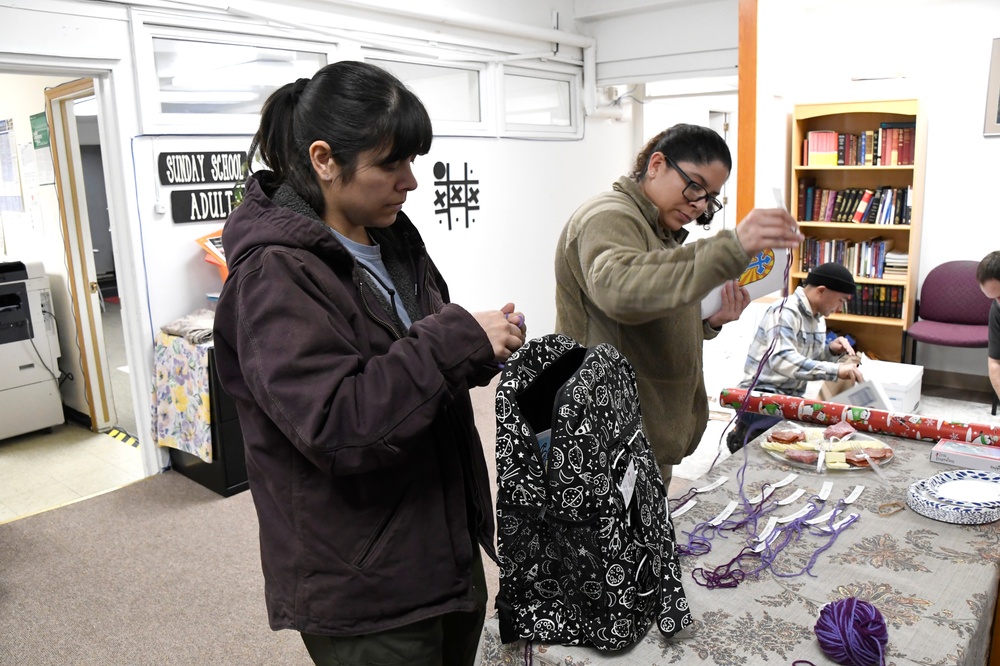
(491, 69)
(487, 121)
(154, 120)
(572, 76)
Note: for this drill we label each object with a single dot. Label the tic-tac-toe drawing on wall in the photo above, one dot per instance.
(455, 198)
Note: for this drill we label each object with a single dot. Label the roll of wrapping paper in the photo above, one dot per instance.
(863, 419)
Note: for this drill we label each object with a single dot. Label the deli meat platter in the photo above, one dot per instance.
(844, 449)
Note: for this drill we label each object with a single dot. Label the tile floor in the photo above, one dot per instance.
(40, 471)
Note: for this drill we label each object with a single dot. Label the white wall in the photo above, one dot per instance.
(660, 40)
(528, 191)
(808, 52)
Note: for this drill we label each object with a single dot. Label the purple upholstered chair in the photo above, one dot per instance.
(951, 311)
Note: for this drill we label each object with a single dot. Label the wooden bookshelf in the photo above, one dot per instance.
(880, 336)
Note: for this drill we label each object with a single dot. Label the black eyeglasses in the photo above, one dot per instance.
(695, 192)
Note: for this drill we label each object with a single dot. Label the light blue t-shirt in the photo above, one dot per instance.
(370, 256)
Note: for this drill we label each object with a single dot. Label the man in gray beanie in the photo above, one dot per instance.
(801, 353)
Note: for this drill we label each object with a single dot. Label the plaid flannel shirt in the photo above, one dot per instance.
(800, 354)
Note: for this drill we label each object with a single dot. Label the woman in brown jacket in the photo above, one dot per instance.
(351, 372)
(625, 277)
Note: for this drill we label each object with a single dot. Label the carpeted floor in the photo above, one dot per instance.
(162, 571)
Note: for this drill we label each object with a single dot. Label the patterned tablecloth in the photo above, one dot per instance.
(181, 417)
(935, 583)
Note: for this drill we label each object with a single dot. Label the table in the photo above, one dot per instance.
(935, 583)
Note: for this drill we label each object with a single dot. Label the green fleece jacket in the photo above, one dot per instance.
(622, 280)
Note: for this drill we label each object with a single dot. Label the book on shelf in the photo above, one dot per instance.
(897, 148)
(862, 207)
(877, 300)
(831, 202)
(810, 201)
(805, 183)
(875, 205)
(821, 148)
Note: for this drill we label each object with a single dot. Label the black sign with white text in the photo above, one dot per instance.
(201, 167)
(201, 205)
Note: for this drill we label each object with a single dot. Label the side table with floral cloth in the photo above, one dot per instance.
(180, 409)
(935, 583)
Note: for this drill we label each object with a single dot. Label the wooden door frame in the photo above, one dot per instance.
(73, 223)
(746, 141)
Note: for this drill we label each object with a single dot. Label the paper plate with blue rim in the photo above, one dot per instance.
(922, 500)
(967, 487)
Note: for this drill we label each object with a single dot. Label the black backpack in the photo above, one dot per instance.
(583, 560)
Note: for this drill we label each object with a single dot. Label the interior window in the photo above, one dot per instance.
(205, 77)
(448, 93)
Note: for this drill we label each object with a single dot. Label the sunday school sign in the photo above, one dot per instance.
(201, 168)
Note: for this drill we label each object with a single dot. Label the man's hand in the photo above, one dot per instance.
(849, 371)
(842, 346)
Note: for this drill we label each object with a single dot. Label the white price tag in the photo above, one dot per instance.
(822, 519)
(724, 514)
(684, 509)
(772, 522)
(799, 492)
(798, 514)
(712, 486)
(855, 494)
(627, 486)
(785, 481)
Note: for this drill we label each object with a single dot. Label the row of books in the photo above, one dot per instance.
(882, 205)
(889, 145)
(877, 300)
(864, 259)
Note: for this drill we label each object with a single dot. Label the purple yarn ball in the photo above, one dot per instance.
(852, 632)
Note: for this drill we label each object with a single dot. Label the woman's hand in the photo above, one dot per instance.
(505, 328)
(768, 229)
(735, 300)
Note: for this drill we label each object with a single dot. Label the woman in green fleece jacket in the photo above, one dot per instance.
(624, 276)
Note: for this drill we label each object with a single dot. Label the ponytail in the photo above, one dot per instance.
(279, 151)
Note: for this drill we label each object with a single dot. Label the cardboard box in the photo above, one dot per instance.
(900, 381)
(966, 455)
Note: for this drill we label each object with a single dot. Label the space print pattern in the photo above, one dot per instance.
(582, 560)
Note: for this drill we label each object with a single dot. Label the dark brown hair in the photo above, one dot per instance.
(354, 107)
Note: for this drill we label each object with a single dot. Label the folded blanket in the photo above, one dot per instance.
(196, 327)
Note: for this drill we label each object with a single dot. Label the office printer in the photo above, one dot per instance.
(29, 350)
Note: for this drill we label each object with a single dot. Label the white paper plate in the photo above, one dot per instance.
(923, 501)
(966, 487)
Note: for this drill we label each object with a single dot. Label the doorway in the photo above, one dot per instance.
(76, 459)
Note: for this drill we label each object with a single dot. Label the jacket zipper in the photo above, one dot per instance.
(364, 300)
